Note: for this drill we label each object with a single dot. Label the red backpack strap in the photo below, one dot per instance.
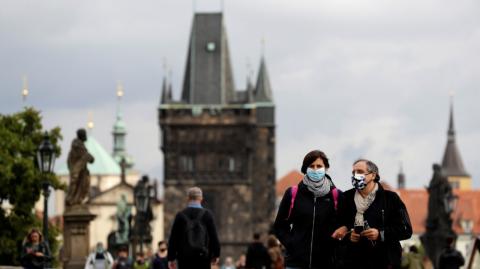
(335, 197)
(294, 190)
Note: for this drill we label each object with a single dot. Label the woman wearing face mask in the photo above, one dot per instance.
(306, 217)
(374, 220)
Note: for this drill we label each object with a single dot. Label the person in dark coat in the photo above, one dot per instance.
(373, 219)
(450, 258)
(257, 254)
(35, 252)
(160, 260)
(306, 228)
(178, 236)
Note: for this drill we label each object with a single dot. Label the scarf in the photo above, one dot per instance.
(362, 204)
(320, 188)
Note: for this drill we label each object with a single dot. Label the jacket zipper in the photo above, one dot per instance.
(313, 228)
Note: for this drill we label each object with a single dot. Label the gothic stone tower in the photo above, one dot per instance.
(219, 139)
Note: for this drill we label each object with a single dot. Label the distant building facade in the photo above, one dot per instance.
(219, 139)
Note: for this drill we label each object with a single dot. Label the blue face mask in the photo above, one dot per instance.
(358, 181)
(316, 175)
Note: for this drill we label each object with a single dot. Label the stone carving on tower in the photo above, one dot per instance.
(220, 139)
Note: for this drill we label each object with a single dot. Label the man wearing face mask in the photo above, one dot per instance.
(306, 216)
(373, 219)
(99, 259)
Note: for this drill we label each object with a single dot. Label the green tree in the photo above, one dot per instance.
(21, 181)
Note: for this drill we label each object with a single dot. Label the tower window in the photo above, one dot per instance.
(186, 163)
(231, 164)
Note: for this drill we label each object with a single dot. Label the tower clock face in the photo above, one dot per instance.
(211, 46)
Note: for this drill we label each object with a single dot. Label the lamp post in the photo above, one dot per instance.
(46, 160)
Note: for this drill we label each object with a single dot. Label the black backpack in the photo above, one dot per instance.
(195, 243)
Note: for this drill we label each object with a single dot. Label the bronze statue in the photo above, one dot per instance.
(78, 157)
(124, 216)
(439, 221)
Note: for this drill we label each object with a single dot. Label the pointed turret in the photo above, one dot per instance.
(166, 95)
(452, 163)
(208, 75)
(263, 91)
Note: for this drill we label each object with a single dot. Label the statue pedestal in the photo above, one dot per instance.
(76, 236)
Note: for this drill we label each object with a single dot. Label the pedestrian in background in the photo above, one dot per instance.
(160, 260)
(100, 258)
(307, 216)
(257, 254)
(450, 258)
(193, 241)
(275, 253)
(35, 252)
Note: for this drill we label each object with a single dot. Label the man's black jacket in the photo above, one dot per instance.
(389, 216)
(178, 232)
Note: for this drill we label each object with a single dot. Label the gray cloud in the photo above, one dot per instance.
(355, 78)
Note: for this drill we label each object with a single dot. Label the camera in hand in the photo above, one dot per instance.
(358, 229)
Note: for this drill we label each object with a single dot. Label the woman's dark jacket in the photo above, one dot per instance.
(389, 216)
(310, 216)
(29, 260)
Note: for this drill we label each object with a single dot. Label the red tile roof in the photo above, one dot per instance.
(468, 208)
(290, 179)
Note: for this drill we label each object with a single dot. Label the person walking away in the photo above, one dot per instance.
(307, 216)
(35, 252)
(193, 241)
(275, 253)
(99, 258)
(373, 219)
(450, 258)
(257, 254)
(160, 260)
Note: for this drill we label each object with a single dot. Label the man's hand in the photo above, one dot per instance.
(354, 237)
(215, 261)
(39, 254)
(172, 265)
(340, 233)
(371, 234)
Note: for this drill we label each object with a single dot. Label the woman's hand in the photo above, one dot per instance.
(371, 234)
(340, 233)
(39, 254)
(354, 237)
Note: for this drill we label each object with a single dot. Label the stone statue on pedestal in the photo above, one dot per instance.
(78, 158)
(439, 221)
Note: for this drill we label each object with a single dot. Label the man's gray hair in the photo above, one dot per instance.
(371, 167)
(194, 193)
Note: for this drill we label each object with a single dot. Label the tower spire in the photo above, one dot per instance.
(119, 131)
(401, 178)
(452, 163)
(263, 91)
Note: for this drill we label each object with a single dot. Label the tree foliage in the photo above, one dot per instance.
(21, 181)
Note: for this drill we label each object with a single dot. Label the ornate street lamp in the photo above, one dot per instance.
(46, 161)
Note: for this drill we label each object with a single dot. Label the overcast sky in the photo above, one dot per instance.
(355, 78)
